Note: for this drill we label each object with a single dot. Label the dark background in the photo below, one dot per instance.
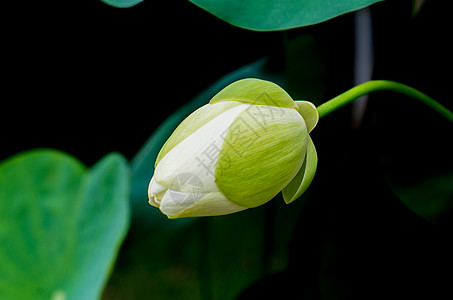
(89, 79)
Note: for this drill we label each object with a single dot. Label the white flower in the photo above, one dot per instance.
(237, 152)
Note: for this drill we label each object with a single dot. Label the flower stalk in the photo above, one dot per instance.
(381, 85)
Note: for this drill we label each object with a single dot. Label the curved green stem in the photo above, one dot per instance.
(380, 85)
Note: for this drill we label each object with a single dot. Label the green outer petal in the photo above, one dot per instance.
(255, 91)
(309, 112)
(262, 151)
(193, 122)
(304, 177)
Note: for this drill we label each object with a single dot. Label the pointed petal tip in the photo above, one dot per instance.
(155, 188)
(151, 202)
(309, 112)
(287, 198)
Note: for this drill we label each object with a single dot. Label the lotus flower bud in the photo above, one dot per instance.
(237, 152)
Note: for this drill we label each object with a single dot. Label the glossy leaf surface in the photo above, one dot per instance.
(277, 14)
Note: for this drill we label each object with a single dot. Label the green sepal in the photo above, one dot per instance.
(304, 177)
(257, 92)
(309, 112)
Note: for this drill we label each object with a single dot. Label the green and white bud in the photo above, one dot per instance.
(237, 152)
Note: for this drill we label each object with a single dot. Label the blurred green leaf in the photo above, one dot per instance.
(143, 162)
(432, 197)
(277, 14)
(416, 157)
(61, 224)
(161, 265)
(122, 3)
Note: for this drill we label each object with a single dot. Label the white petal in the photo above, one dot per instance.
(184, 183)
(212, 204)
(155, 192)
(197, 154)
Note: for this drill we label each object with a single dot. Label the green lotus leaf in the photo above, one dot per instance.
(122, 3)
(61, 224)
(277, 14)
